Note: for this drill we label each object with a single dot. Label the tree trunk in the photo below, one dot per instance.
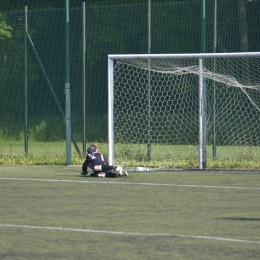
(243, 26)
(243, 31)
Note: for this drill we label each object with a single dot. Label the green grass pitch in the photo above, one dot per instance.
(51, 212)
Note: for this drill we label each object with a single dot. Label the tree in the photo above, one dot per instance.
(5, 29)
(243, 26)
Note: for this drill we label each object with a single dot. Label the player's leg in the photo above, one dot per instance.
(109, 168)
(104, 174)
(110, 174)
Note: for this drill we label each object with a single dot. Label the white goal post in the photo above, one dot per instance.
(160, 100)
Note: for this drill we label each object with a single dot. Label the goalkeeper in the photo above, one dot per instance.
(98, 163)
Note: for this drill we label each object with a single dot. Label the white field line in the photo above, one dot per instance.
(136, 183)
(131, 233)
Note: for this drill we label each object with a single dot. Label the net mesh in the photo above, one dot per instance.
(156, 107)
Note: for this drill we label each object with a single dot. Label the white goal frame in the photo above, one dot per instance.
(201, 112)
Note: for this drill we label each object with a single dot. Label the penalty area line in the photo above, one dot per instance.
(131, 233)
(135, 183)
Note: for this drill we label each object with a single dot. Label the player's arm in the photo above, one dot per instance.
(86, 164)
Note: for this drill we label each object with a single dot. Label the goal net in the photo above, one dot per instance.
(184, 110)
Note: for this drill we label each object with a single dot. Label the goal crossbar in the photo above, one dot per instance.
(184, 56)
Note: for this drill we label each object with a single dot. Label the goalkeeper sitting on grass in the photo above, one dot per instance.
(98, 163)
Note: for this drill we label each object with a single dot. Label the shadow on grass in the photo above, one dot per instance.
(241, 219)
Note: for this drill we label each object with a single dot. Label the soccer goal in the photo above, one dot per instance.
(184, 107)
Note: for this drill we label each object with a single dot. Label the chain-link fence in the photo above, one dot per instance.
(38, 106)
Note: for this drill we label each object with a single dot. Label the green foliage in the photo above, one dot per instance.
(5, 29)
(36, 4)
(39, 133)
(113, 26)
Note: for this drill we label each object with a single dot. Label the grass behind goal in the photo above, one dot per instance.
(132, 155)
(51, 212)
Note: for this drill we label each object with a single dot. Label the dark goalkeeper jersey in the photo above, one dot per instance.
(93, 159)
